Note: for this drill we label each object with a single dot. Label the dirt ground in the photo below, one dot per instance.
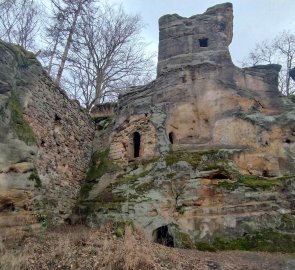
(78, 247)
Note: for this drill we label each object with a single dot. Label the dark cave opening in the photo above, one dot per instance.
(219, 175)
(163, 237)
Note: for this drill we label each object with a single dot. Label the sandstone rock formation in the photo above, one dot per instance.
(204, 153)
(45, 143)
(205, 150)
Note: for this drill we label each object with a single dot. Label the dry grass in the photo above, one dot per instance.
(131, 255)
(79, 247)
(10, 260)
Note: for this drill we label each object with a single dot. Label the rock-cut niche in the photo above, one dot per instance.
(136, 144)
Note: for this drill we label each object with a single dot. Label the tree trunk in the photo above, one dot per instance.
(68, 44)
(289, 62)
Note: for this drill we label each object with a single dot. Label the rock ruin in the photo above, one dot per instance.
(206, 150)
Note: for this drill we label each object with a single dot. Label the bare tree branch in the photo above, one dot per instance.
(281, 50)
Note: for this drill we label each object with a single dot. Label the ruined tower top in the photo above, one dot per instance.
(199, 39)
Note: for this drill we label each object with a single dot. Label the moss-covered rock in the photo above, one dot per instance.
(21, 57)
(35, 177)
(267, 240)
(99, 165)
(18, 123)
(180, 238)
(251, 181)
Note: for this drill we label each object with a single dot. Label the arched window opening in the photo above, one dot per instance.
(136, 144)
(171, 137)
(162, 236)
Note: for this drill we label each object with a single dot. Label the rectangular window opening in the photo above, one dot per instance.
(203, 42)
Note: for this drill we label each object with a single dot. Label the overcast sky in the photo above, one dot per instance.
(254, 20)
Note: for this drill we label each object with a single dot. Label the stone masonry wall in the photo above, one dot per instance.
(45, 143)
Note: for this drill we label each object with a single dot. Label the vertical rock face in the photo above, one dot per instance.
(45, 142)
(205, 150)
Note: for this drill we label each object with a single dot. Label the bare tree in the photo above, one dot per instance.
(19, 22)
(110, 50)
(92, 49)
(281, 50)
(66, 14)
(54, 39)
(285, 45)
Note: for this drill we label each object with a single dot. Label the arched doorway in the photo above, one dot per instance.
(171, 137)
(136, 144)
(162, 236)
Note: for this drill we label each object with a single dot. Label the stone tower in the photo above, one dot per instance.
(196, 40)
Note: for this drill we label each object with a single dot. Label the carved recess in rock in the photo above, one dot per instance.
(135, 139)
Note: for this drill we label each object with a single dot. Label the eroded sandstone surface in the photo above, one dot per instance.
(45, 143)
(206, 150)
(201, 157)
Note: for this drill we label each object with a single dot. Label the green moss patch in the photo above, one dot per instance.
(126, 188)
(193, 158)
(22, 57)
(99, 165)
(19, 124)
(251, 181)
(21, 82)
(35, 177)
(292, 98)
(266, 240)
(255, 182)
(103, 122)
(201, 160)
(121, 225)
(180, 238)
(144, 187)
